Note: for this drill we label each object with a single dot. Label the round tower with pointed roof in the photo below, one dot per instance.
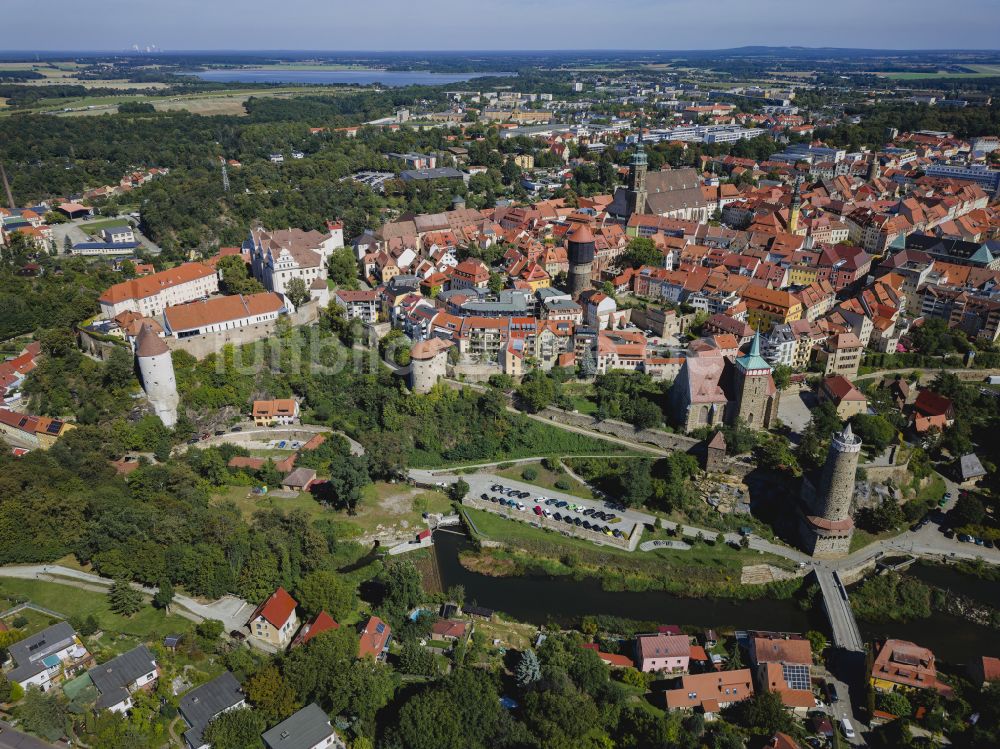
(829, 527)
(580, 247)
(157, 371)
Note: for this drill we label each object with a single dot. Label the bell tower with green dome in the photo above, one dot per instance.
(757, 397)
(637, 179)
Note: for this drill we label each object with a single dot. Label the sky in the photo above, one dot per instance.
(380, 25)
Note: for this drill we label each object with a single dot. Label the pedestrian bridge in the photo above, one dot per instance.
(845, 630)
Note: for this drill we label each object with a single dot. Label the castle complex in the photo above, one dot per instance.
(827, 526)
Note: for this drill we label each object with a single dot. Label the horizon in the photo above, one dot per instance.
(129, 51)
(393, 25)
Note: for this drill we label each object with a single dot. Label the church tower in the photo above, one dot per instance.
(637, 180)
(793, 215)
(828, 526)
(157, 371)
(755, 390)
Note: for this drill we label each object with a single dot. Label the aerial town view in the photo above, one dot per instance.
(367, 384)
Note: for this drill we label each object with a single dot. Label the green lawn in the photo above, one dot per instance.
(94, 227)
(248, 504)
(148, 624)
(381, 504)
(547, 479)
(683, 571)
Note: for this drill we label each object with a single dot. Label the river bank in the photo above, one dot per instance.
(543, 599)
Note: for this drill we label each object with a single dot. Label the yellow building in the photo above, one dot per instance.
(769, 307)
(803, 275)
(275, 621)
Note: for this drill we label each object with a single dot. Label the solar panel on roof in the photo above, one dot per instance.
(379, 628)
(54, 427)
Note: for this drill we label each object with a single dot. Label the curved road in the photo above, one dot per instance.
(230, 610)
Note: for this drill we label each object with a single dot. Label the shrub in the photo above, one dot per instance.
(529, 474)
(563, 484)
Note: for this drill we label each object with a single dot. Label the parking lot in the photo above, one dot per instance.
(625, 523)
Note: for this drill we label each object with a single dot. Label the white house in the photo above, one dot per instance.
(118, 679)
(47, 657)
(118, 234)
(309, 728)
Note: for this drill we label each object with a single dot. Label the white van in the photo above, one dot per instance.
(847, 728)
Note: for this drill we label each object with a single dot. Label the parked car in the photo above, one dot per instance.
(847, 728)
(537, 510)
(831, 692)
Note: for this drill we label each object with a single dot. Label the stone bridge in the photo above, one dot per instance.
(845, 630)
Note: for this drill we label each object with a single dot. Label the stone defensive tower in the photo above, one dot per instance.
(828, 525)
(580, 248)
(428, 362)
(756, 393)
(157, 372)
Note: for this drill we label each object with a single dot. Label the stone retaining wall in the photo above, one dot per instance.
(200, 346)
(622, 430)
(549, 523)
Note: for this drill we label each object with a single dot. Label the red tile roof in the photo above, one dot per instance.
(323, 622)
(276, 609)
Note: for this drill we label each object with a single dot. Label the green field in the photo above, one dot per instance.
(980, 71)
(547, 479)
(71, 601)
(702, 570)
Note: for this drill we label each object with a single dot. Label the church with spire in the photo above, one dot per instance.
(673, 193)
(714, 389)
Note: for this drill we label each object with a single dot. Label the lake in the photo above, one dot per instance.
(564, 601)
(361, 77)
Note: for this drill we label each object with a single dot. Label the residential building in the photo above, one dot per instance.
(448, 629)
(358, 305)
(842, 393)
(277, 412)
(782, 664)
(598, 309)
(150, 295)
(900, 664)
(48, 657)
(667, 653)
(118, 679)
(843, 354)
(221, 314)
(203, 704)
(308, 728)
(710, 692)
(984, 671)
(470, 274)
(375, 637)
(769, 307)
(321, 623)
(31, 432)
(274, 621)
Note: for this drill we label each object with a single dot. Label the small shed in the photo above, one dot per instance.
(299, 480)
(971, 468)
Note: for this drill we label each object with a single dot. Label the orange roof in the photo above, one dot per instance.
(221, 309)
(276, 407)
(322, 623)
(147, 286)
(374, 637)
(276, 609)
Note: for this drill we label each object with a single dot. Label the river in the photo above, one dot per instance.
(361, 77)
(562, 600)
